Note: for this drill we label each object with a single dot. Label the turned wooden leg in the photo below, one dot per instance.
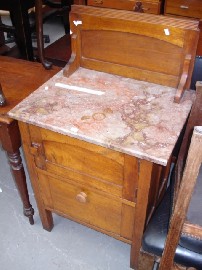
(11, 142)
(20, 181)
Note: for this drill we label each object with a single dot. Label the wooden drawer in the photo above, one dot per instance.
(143, 6)
(87, 205)
(188, 8)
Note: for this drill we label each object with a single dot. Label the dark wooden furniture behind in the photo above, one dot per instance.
(20, 18)
(18, 79)
(148, 6)
(3, 47)
(59, 52)
(185, 8)
(22, 29)
(189, 9)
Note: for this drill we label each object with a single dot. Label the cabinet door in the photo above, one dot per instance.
(78, 160)
(188, 8)
(85, 182)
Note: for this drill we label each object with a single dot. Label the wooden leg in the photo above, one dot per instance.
(144, 181)
(46, 218)
(146, 261)
(10, 138)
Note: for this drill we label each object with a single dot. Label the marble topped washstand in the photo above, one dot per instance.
(99, 147)
(99, 136)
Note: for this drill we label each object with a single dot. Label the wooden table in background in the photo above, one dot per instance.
(18, 78)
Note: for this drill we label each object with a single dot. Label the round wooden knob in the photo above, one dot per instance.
(81, 197)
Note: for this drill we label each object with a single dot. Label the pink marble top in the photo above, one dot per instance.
(130, 116)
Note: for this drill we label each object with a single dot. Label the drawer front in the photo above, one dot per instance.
(84, 204)
(139, 6)
(81, 203)
(188, 8)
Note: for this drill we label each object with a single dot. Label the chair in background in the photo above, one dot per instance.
(191, 229)
(197, 72)
(182, 237)
(64, 7)
(3, 47)
(18, 10)
(23, 27)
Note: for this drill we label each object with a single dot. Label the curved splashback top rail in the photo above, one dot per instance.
(146, 47)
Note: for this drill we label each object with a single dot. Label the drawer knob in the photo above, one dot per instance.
(138, 7)
(81, 197)
(184, 7)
